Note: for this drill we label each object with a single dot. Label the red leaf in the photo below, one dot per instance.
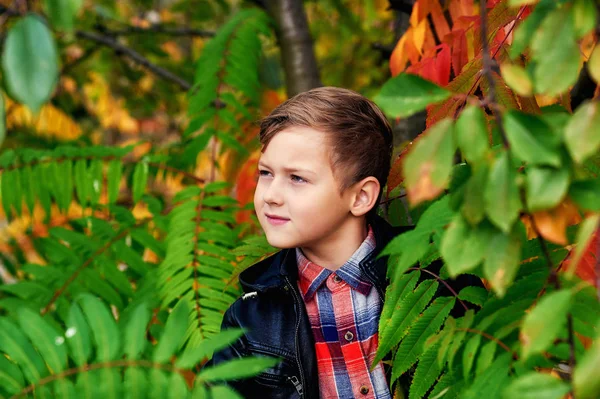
(442, 64)
(459, 51)
(586, 268)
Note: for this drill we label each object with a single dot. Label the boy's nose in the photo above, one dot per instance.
(272, 194)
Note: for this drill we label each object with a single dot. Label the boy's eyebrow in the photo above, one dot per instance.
(288, 169)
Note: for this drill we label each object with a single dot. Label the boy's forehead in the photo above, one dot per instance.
(298, 144)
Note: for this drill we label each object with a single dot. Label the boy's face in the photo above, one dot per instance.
(297, 199)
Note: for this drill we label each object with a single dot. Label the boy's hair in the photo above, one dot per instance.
(359, 133)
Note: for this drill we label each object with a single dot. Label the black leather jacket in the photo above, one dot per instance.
(274, 316)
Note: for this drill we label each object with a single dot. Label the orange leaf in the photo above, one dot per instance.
(552, 224)
(419, 35)
(399, 58)
(440, 23)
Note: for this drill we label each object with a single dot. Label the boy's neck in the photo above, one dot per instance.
(333, 252)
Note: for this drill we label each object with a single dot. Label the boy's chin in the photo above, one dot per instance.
(281, 242)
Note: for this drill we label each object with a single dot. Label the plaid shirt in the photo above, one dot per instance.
(344, 309)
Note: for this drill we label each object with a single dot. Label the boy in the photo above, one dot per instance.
(316, 304)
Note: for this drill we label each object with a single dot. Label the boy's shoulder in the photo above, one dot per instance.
(269, 272)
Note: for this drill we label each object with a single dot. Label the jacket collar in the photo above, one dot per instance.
(271, 272)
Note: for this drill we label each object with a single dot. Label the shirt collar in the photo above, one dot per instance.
(312, 276)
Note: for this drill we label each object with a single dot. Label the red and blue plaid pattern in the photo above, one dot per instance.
(344, 309)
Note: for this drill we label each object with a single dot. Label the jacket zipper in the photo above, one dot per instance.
(301, 383)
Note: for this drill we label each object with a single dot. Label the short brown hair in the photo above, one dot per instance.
(359, 132)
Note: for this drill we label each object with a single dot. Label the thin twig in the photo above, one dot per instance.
(96, 366)
(438, 278)
(391, 199)
(134, 56)
(491, 338)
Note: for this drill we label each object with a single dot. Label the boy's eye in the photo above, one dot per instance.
(298, 179)
(264, 172)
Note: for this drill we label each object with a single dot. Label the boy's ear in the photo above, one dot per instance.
(365, 193)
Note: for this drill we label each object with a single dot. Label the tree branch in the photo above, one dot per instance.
(488, 65)
(134, 56)
(160, 29)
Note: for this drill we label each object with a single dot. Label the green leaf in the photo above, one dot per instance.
(412, 346)
(471, 348)
(542, 325)
(140, 179)
(546, 188)
(236, 369)
(525, 31)
(224, 392)
(103, 326)
(555, 53)
(62, 13)
(585, 377)
(406, 312)
(464, 247)
(489, 384)
(428, 165)
(471, 133)
(30, 62)
(95, 178)
(582, 133)
(502, 202)
(536, 386)
(174, 332)
(81, 181)
(473, 208)
(406, 94)
(135, 383)
(475, 295)
(78, 336)
(135, 332)
(113, 180)
(14, 343)
(584, 16)
(426, 373)
(193, 356)
(11, 378)
(2, 121)
(502, 261)
(586, 194)
(46, 339)
(531, 139)
(396, 289)
(177, 387)
(462, 325)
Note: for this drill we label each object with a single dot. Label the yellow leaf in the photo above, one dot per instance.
(593, 64)
(51, 122)
(517, 79)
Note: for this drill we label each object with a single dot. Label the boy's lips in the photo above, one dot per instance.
(276, 220)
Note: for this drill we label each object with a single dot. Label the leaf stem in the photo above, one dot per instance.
(491, 338)
(438, 278)
(96, 366)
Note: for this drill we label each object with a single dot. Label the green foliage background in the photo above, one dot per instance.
(93, 315)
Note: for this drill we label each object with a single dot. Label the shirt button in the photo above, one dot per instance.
(364, 389)
(349, 336)
(337, 278)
